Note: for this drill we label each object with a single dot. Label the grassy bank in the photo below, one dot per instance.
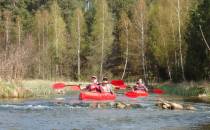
(186, 88)
(33, 88)
(25, 89)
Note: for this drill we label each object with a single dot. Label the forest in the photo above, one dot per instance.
(157, 40)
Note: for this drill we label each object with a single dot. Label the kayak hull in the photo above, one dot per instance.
(96, 96)
(137, 93)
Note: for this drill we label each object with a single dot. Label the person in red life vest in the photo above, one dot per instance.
(140, 86)
(94, 86)
(106, 87)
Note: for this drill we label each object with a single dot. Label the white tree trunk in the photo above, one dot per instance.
(207, 45)
(180, 39)
(142, 43)
(126, 58)
(19, 33)
(169, 70)
(78, 51)
(102, 44)
(39, 57)
(7, 33)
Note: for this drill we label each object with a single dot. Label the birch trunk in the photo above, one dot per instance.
(78, 51)
(207, 45)
(43, 48)
(19, 33)
(102, 44)
(126, 58)
(142, 42)
(7, 33)
(180, 39)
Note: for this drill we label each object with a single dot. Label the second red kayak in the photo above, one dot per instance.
(96, 96)
(137, 93)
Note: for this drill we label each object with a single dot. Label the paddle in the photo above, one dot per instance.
(137, 93)
(62, 85)
(158, 91)
(119, 84)
(131, 94)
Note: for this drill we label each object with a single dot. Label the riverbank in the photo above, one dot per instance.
(43, 88)
(187, 89)
(30, 88)
(25, 89)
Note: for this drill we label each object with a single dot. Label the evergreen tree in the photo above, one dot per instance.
(198, 54)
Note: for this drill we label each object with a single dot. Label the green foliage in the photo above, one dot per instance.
(183, 90)
(48, 29)
(198, 55)
(101, 34)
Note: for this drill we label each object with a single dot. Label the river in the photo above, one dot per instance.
(69, 113)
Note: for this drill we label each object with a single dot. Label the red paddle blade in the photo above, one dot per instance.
(131, 95)
(58, 85)
(118, 84)
(158, 91)
(75, 88)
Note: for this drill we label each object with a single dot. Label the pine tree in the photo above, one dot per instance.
(198, 56)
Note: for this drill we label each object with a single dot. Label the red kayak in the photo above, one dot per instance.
(96, 96)
(137, 93)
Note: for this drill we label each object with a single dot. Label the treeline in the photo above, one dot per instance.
(72, 39)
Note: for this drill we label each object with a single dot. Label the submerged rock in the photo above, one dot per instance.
(117, 105)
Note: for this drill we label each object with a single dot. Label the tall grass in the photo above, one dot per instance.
(39, 88)
(186, 89)
(32, 88)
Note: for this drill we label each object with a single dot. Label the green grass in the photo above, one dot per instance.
(39, 88)
(186, 89)
(32, 88)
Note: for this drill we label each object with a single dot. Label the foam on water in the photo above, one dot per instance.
(24, 107)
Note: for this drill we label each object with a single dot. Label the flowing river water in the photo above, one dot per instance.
(69, 113)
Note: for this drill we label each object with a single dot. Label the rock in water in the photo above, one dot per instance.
(173, 106)
(120, 105)
(176, 106)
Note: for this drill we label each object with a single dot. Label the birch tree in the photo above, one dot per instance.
(180, 38)
(124, 38)
(7, 27)
(57, 37)
(140, 23)
(102, 35)
(78, 29)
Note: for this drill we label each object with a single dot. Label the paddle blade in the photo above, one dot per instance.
(158, 91)
(119, 84)
(131, 95)
(58, 85)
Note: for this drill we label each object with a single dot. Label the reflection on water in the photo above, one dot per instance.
(69, 113)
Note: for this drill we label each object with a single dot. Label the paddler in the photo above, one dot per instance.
(94, 86)
(140, 86)
(106, 86)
